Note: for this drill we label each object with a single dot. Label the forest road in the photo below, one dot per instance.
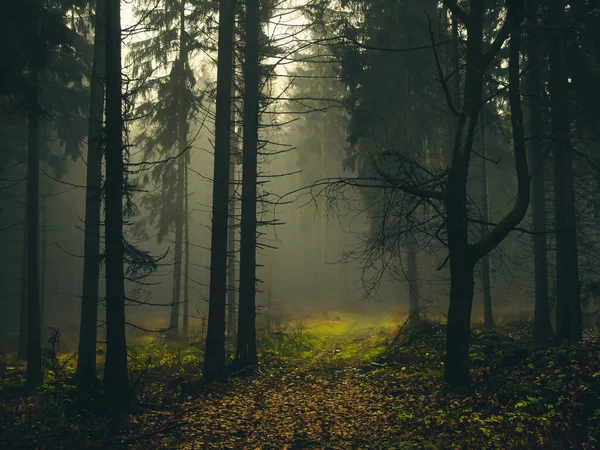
(330, 401)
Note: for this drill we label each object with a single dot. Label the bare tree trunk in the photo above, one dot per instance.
(186, 270)
(176, 291)
(488, 317)
(231, 272)
(456, 365)
(411, 244)
(34, 356)
(324, 286)
(86, 362)
(43, 230)
(413, 282)
(455, 61)
(116, 381)
(542, 328)
(246, 339)
(231, 281)
(22, 351)
(43, 260)
(214, 355)
(568, 307)
(181, 168)
(463, 255)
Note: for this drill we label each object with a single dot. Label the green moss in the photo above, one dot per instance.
(330, 338)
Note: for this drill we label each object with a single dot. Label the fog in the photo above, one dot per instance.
(299, 224)
(312, 239)
(303, 269)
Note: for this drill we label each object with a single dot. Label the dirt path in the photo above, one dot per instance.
(325, 402)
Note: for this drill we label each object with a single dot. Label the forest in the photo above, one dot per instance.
(300, 224)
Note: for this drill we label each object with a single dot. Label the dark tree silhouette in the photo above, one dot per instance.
(86, 363)
(231, 236)
(534, 89)
(214, 355)
(34, 357)
(246, 338)
(464, 255)
(182, 130)
(116, 381)
(22, 351)
(568, 306)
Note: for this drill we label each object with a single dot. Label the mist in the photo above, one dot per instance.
(299, 224)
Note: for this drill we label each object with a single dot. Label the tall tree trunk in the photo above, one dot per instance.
(186, 270)
(34, 352)
(463, 255)
(86, 363)
(488, 316)
(456, 365)
(181, 168)
(231, 275)
(324, 243)
(176, 291)
(231, 281)
(116, 381)
(246, 339)
(542, 328)
(43, 260)
(413, 282)
(411, 244)
(214, 355)
(183, 130)
(22, 351)
(455, 63)
(456, 79)
(568, 307)
(461, 264)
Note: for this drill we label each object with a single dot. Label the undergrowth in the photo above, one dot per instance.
(520, 398)
(548, 398)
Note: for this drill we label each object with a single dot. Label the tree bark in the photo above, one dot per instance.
(43, 260)
(456, 81)
(488, 316)
(463, 255)
(568, 307)
(116, 381)
(456, 364)
(34, 353)
(86, 364)
(411, 244)
(214, 355)
(22, 351)
(246, 339)
(186, 270)
(461, 265)
(176, 292)
(414, 312)
(542, 328)
(183, 128)
(231, 281)
(181, 168)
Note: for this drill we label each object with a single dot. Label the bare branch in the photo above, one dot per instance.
(457, 11)
(514, 217)
(495, 47)
(443, 79)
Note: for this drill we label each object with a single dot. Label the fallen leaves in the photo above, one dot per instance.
(353, 399)
(322, 404)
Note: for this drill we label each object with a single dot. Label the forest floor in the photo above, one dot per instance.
(343, 383)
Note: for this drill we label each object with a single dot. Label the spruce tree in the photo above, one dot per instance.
(214, 354)
(116, 380)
